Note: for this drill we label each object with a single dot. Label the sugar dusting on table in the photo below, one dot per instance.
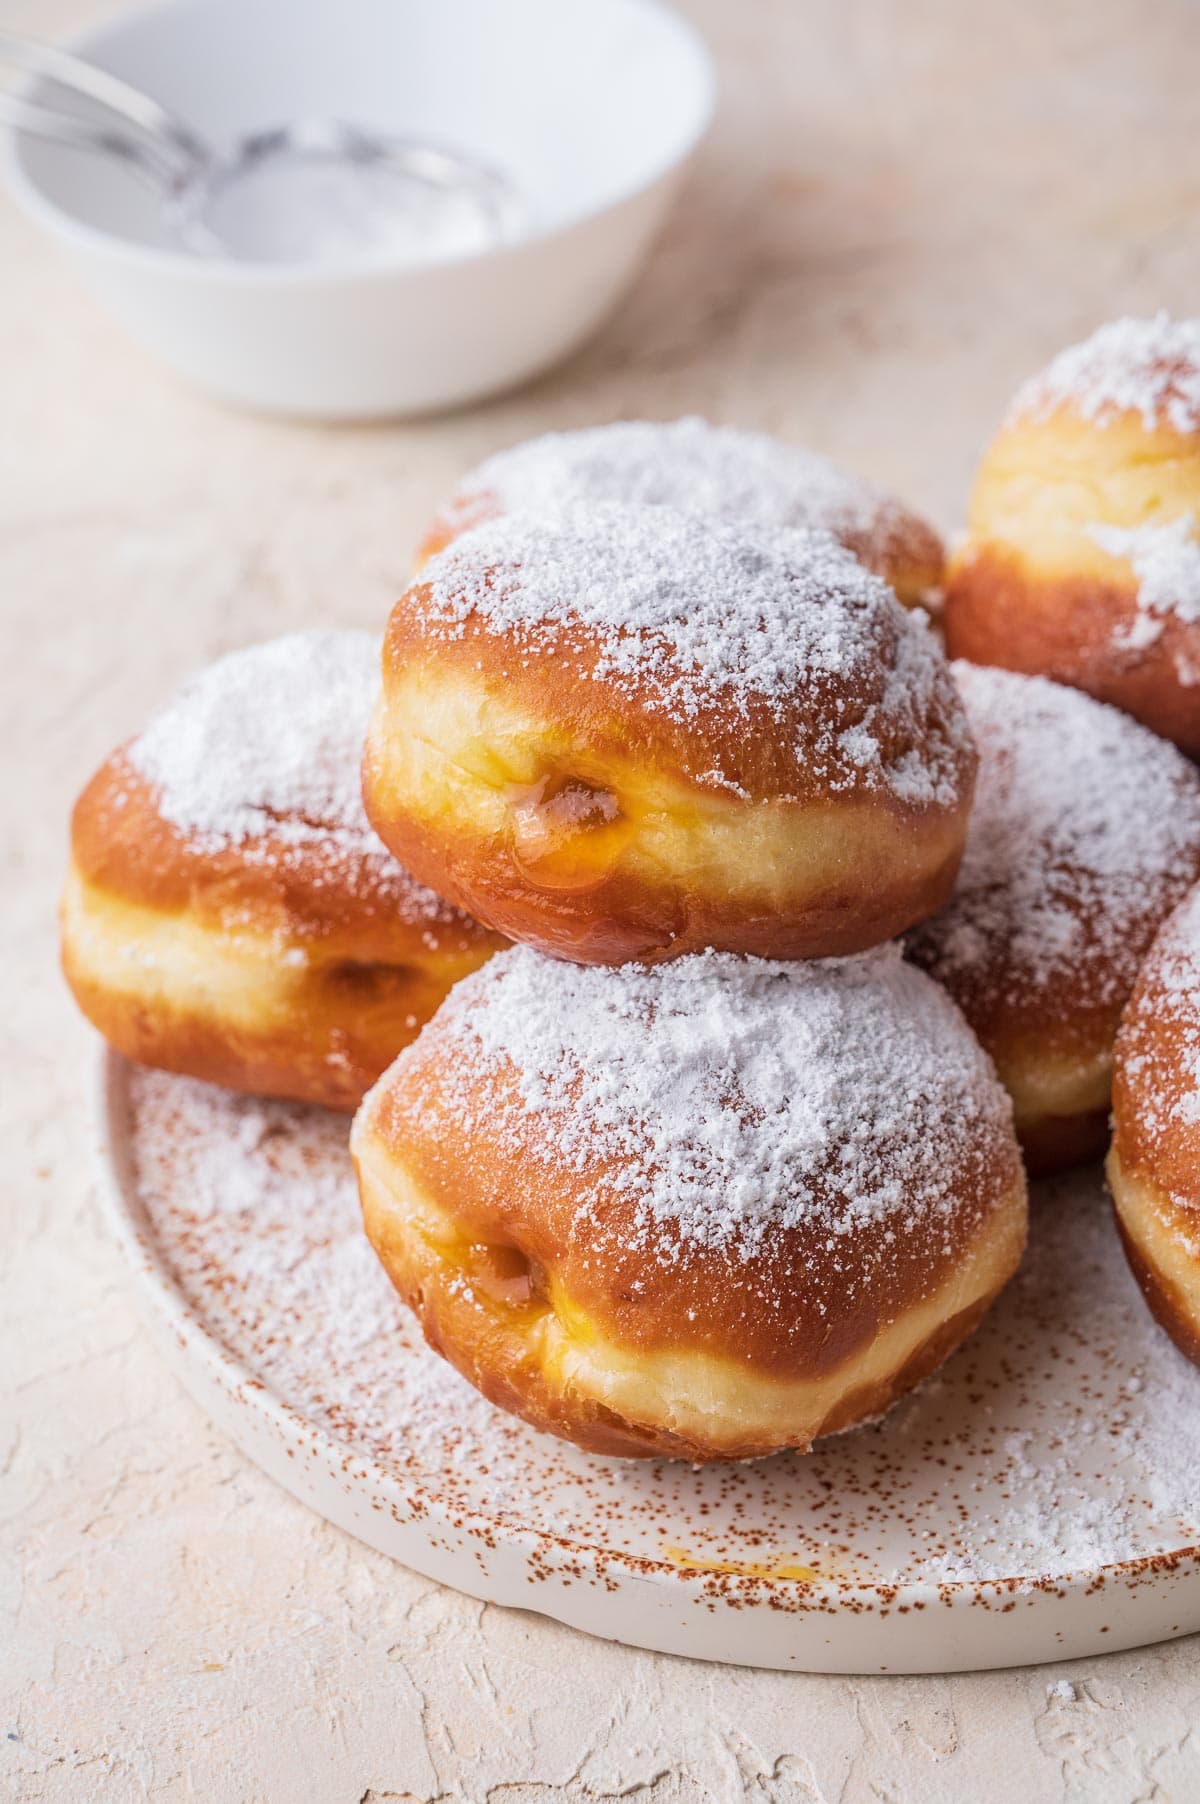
(687, 614)
(1064, 1437)
(732, 1100)
(1150, 367)
(1084, 834)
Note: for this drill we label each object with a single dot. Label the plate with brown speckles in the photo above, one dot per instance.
(1039, 1498)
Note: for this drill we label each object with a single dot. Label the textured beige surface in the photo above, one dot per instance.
(904, 208)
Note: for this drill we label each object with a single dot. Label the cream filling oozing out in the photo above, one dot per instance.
(695, 1395)
(455, 751)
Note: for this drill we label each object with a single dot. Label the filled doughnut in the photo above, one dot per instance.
(710, 1209)
(1154, 1162)
(748, 478)
(1082, 560)
(633, 733)
(229, 913)
(1084, 836)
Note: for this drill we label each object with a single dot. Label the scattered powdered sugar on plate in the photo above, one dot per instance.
(1064, 1437)
(687, 613)
(266, 744)
(1084, 834)
(1150, 367)
(694, 466)
(257, 1200)
(733, 1098)
(1166, 562)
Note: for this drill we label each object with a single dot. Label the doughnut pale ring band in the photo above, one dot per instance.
(746, 478)
(1082, 559)
(1154, 1163)
(630, 733)
(708, 1209)
(1085, 834)
(228, 912)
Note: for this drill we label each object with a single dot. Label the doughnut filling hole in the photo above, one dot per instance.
(518, 801)
(666, 1249)
(794, 782)
(513, 1331)
(562, 814)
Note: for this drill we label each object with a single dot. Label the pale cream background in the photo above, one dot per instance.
(903, 209)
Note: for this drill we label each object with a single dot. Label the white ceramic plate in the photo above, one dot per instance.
(1038, 1499)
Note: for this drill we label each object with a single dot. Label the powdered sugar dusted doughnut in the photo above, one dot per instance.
(1084, 836)
(748, 478)
(1147, 367)
(1082, 560)
(229, 911)
(632, 733)
(1154, 1162)
(713, 1208)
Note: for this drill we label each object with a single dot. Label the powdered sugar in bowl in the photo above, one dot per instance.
(589, 111)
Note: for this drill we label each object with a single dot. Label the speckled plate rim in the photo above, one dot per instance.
(738, 1618)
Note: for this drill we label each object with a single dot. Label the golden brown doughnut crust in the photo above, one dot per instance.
(999, 611)
(586, 816)
(1171, 1306)
(1082, 557)
(490, 1234)
(1154, 1161)
(365, 980)
(1085, 835)
(688, 463)
(121, 843)
(280, 965)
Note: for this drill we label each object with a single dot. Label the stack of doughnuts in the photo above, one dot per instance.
(701, 949)
(701, 1181)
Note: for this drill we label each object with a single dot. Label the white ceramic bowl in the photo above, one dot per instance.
(592, 106)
